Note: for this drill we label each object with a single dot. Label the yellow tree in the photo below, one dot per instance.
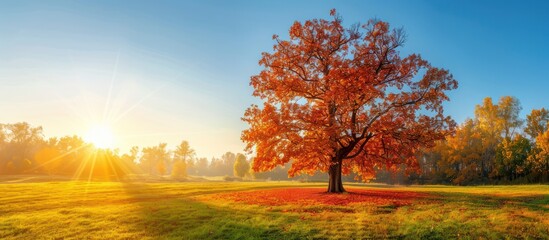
(436, 165)
(539, 158)
(241, 166)
(179, 169)
(20, 142)
(182, 158)
(184, 152)
(536, 122)
(155, 158)
(74, 155)
(512, 157)
(496, 122)
(508, 115)
(340, 99)
(465, 149)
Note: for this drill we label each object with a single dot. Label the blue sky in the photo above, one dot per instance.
(164, 71)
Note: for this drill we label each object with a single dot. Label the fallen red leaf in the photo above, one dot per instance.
(316, 196)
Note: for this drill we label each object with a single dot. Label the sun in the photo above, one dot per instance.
(100, 136)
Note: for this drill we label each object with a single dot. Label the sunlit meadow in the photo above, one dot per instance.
(274, 120)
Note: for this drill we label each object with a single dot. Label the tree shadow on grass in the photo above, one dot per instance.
(464, 214)
(534, 202)
(161, 212)
(179, 216)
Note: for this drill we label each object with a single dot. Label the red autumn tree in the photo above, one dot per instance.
(342, 99)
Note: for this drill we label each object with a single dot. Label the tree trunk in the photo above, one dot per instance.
(335, 184)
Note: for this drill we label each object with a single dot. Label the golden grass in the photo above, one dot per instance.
(115, 210)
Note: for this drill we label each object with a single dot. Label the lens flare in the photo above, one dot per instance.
(100, 136)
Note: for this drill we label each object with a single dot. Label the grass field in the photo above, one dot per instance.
(213, 210)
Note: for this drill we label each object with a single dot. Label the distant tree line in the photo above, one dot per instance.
(495, 147)
(24, 150)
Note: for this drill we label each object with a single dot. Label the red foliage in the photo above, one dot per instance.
(318, 196)
(344, 98)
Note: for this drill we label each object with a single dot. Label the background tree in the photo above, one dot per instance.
(179, 169)
(495, 123)
(21, 142)
(47, 159)
(216, 167)
(201, 166)
(512, 157)
(74, 152)
(434, 164)
(241, 166)
(227, 163)
(184, 152)
(539, 158)
(338, 99)
(106, 164)
(155, 158)
(536, 122)
(465, 149)
(2, 134)
(133, 155)
(489, 126)
(183, 159)
(23, 132)
(508, 113)
(130, 160)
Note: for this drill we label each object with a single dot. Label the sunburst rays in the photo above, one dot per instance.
(98, 158)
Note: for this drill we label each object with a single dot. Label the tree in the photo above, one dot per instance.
(496, 122)
(508, 112)
(155, 158)
(536, 122)
(241, 166)
(48, 157)
(183, 159)
(74, 152)
(488, 118)
(227, 163)
(201, 166)
(539, 158)
(106, 164)
(512, 157)
(179, 170)
(216, 167)
(434, 164)
(133, 156)
(3, 136)
(130, 160)
(23, 133)
(20, 141)
(183, 152)
(465, 149)
(341, 99)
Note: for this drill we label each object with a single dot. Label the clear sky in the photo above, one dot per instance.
(166, 71)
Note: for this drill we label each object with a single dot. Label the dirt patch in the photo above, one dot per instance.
(315, 196)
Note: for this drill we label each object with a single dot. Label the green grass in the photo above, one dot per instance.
(112, 210)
